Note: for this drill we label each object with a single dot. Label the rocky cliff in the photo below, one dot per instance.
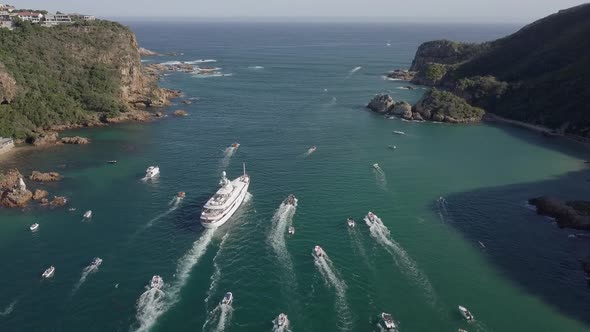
(70, 75)
(538, 75)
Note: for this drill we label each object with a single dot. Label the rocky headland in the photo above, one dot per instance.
(14, 192)
(538, 75)
(570, 214)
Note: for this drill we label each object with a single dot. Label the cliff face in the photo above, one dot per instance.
(70, 75)
(539, 74)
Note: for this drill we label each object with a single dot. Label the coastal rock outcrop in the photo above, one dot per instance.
(444, 52)
(13, 191)
(58, 201)
(137, 116)
(145, 52)
(402, 108)
(570, 214)
(381, 103)
(401, 75)
(45, 177)
(75, 140)
(45, 139)
(180, 113)
(444, 106)
(39, 194)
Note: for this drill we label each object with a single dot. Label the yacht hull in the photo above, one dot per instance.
(230, 213)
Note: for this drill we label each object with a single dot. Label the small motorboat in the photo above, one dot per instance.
(291, 230)
(282, 320)
(371, 216)
(399, 132)
(111, 161)
(96, 262)
(228, 298)
(49, 272)
(392, 147)
(235, 145)
(72, 209)
(318, 251)
(34, 227)
(388, 321)
(461, 330)
(350, 222)
(466, 314)
(376, 166)
(152, 171)
(291, 200)
(312, 149)
(181, 194)
(157, 282)
(88, 214)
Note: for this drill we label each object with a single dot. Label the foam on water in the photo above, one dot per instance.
(9, 308)
(150, 305)
(216, 276)
(256, 67)
(85, 273)
(441, 204)
(308, 153)
(227, 154)
(381, 233)
(282, 219)
(354, 70)
(331, 278)
(222, 314)
(200, 61)
(171, 63)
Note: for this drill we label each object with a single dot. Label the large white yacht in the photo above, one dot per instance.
(226, 200)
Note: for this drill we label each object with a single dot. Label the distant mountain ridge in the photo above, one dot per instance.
(539, 75)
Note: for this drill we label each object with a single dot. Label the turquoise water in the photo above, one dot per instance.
(526, 278)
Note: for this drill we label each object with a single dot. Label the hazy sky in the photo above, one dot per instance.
(418, 10)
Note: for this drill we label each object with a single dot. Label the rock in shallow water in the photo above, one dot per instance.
(381, 103)
(45, 177)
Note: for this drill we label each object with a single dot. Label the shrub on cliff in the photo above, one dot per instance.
(445, 106)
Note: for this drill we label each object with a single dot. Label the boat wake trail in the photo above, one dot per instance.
(282, 219)
(441, 204)
(354, 70)
(358, 244)
(183, 269)
(216, 276)
(8, 310)
(85, 273)
(227, 154)
(330, 275)
(308, 152)
(380, 233)
(149, 307)
(222, 315)
(174, 204)
(380, 177)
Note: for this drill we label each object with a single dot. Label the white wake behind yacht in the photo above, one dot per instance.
(226, 200)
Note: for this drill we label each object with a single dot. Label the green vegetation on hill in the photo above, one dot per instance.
(540, 74)
(445, 106)
(67, 74)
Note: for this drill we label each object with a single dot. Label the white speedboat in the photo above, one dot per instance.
(34, 227)
(372, 217)
(350, 222)
(228, 298)
(466, 314)
(49, 272)
(392, 147)
(152, 171)
(399, 132)
(72, 209)
(96, 262)
(235, 146)
(388, 321)
(291, 230)
(312, 149)
(226, 200)
(291, 200)
(181, 194)
(157, 282)
(88, 214)
(318, 251)
(282, 320)
(376, 166)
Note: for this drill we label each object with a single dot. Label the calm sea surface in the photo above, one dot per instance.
(289, 87)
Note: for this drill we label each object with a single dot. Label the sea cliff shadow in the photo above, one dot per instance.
(529, 249)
